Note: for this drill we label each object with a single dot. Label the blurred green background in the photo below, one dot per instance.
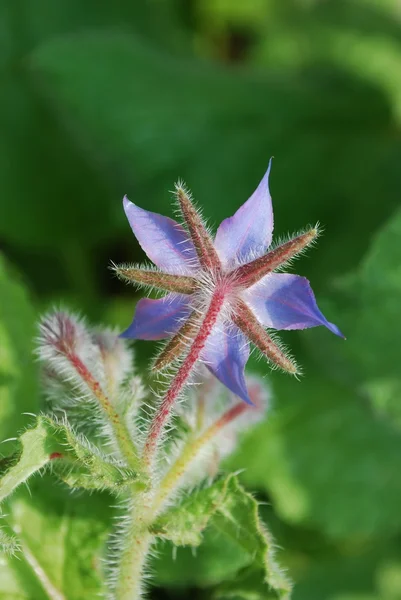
(103, 98)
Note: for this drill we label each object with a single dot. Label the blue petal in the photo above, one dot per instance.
(225, 355)
(158, 319)
(283, 301)
(165, 242)
(249, 231)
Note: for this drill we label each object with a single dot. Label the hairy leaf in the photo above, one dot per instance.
(34, 452)
(61, 541)
(217, 559)
(232, 511)
(74, 460)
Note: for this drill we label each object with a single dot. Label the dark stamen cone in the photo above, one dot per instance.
(252, 272)
(178, 343)
(201, 239)
(250, 326)
(162, 281)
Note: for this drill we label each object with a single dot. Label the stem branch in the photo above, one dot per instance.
(120, 430)
(138, 538)
(181, 377)
(190, 452)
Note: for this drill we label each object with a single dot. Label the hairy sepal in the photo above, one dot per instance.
(201, 238)
(250, 326)
(151, 278)
(178, 344)
(252, 272)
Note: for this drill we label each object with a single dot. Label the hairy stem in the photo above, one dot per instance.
(138, 535)
(137, 544)
(119, 428)
(190, 452)
(181, 377)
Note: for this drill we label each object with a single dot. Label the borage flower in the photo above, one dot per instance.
(222, 294)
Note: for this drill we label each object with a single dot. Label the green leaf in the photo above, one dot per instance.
(61, 539)
(74, 460)
(183, 525)
(18, 371)
(82, 465)
(366, 306)
(228, 508)
(217, 559)
(33, 454)
(247, 585)
(354, 571)
(168, 117)
(330, 454)
(326, 460)
(59, 170)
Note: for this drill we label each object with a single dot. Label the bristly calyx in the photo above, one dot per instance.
(221, 293)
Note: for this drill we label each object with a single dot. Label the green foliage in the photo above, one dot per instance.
(197, 122)
(369, 301)
(99, 100)
(65, 192)
(61, 539)
(18, 373)
(33, 454)
(230, 510)
(344, 480)
(339, 481)
(74, 460)
(218, 559)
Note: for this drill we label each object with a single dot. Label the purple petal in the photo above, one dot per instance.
(158, 319)
(249, 231)
(166, 243)
(225, 355)
(283, 301)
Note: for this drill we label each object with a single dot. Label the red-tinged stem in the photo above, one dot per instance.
(191, 451)
(250, 326)
(226, 418)
(202, 241)
(120, 430)
(182, 376)
(252, 272)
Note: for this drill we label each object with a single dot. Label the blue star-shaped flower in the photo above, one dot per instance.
(222, 293)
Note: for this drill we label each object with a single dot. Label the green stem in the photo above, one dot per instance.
(129, 585)
(137, 543)
(147, 507)
(190, 452)
(120, 430)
